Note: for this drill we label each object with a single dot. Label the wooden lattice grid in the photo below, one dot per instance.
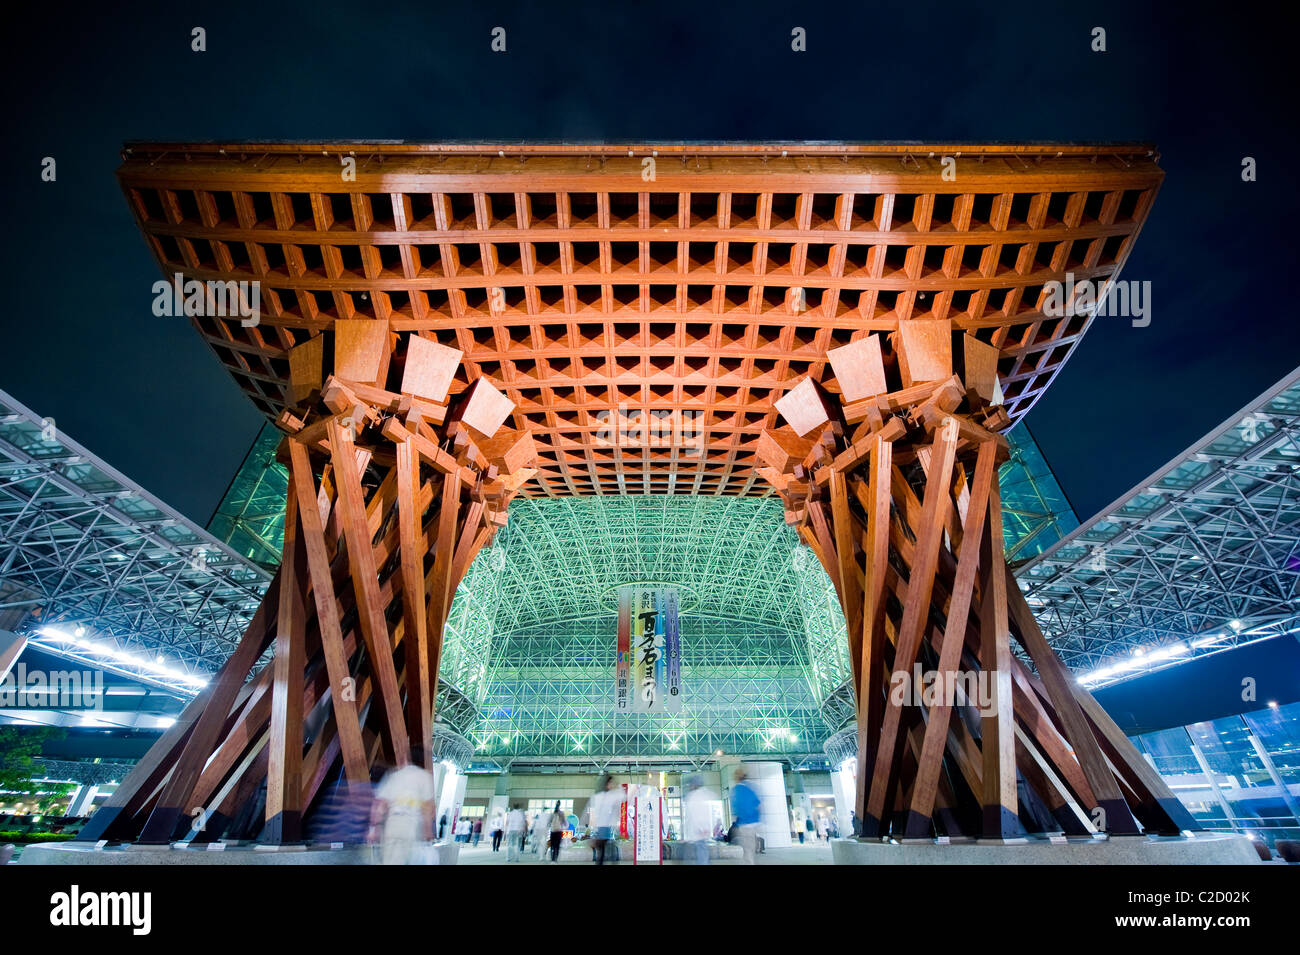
(578, 287)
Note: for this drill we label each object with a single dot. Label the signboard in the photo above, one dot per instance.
(649, 663)
(647, 826)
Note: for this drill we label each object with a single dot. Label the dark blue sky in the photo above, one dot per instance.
(80, 343)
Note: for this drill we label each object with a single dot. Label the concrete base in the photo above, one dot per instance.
(1207, 849)
(81, 853)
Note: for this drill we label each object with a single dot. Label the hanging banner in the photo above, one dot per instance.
(622, 684)
(673, 648)
(649, 646)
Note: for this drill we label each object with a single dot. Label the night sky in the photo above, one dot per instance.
(81, 344)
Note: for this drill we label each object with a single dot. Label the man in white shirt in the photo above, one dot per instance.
(514, 833)
(605, 809)
(404, 805)
(697, 818)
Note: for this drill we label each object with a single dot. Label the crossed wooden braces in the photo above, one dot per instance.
(391, 495)
(895, 488)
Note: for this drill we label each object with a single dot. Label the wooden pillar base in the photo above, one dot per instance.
(391, 496)
(898, 497)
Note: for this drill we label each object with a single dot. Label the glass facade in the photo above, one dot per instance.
(250, 517)
(1035, 511)
(1237, 774)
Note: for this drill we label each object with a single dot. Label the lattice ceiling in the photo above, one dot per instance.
(624, 306)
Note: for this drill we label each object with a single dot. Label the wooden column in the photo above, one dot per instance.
(386, 509)
(284, 768)
(897, 494)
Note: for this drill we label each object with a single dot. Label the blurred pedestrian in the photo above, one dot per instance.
(442, 826)
(697, 818)
(345, 814)
(559, 822)
(541, 833)
(746, 810)
(478, 831)
(606, 806)
(498, 828)
(403, 811)
(514, 833)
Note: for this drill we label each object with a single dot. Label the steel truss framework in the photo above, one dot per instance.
(750, 660)
(1201, 556)
(81, 544)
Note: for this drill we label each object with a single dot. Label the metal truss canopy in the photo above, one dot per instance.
(1201, 556)
(82, 545)
(762, 634)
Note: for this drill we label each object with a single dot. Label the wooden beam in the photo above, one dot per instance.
(920, 583)
(997, 722)
(365, 581)
(950, 646)
(871, 667)
(1116, 817)
(342, 684)
(419, 689)
(284, 768)
(218, 696)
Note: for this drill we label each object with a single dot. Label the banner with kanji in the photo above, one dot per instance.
(649, 665)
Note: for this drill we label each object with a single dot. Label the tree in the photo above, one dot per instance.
(18, 744)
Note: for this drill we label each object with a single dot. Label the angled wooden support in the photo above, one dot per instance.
(419, 690)
(871, 667)
(999, 800)
(929, 534)
(950, 648)
(171, 804)
(1115, 816)
(284, 761)
(342, 684)
(365, 579)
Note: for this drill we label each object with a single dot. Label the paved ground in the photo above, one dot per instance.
(813, 854)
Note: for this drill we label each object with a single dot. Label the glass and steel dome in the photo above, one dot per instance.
(531, 640)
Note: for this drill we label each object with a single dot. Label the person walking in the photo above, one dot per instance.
(403, 810)
(442, 826)
(558, 824)
(745, 809)
(697, 818)
(478, 831)
(541, 834)
(604, 810)
(514, 833)
(498, 828)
